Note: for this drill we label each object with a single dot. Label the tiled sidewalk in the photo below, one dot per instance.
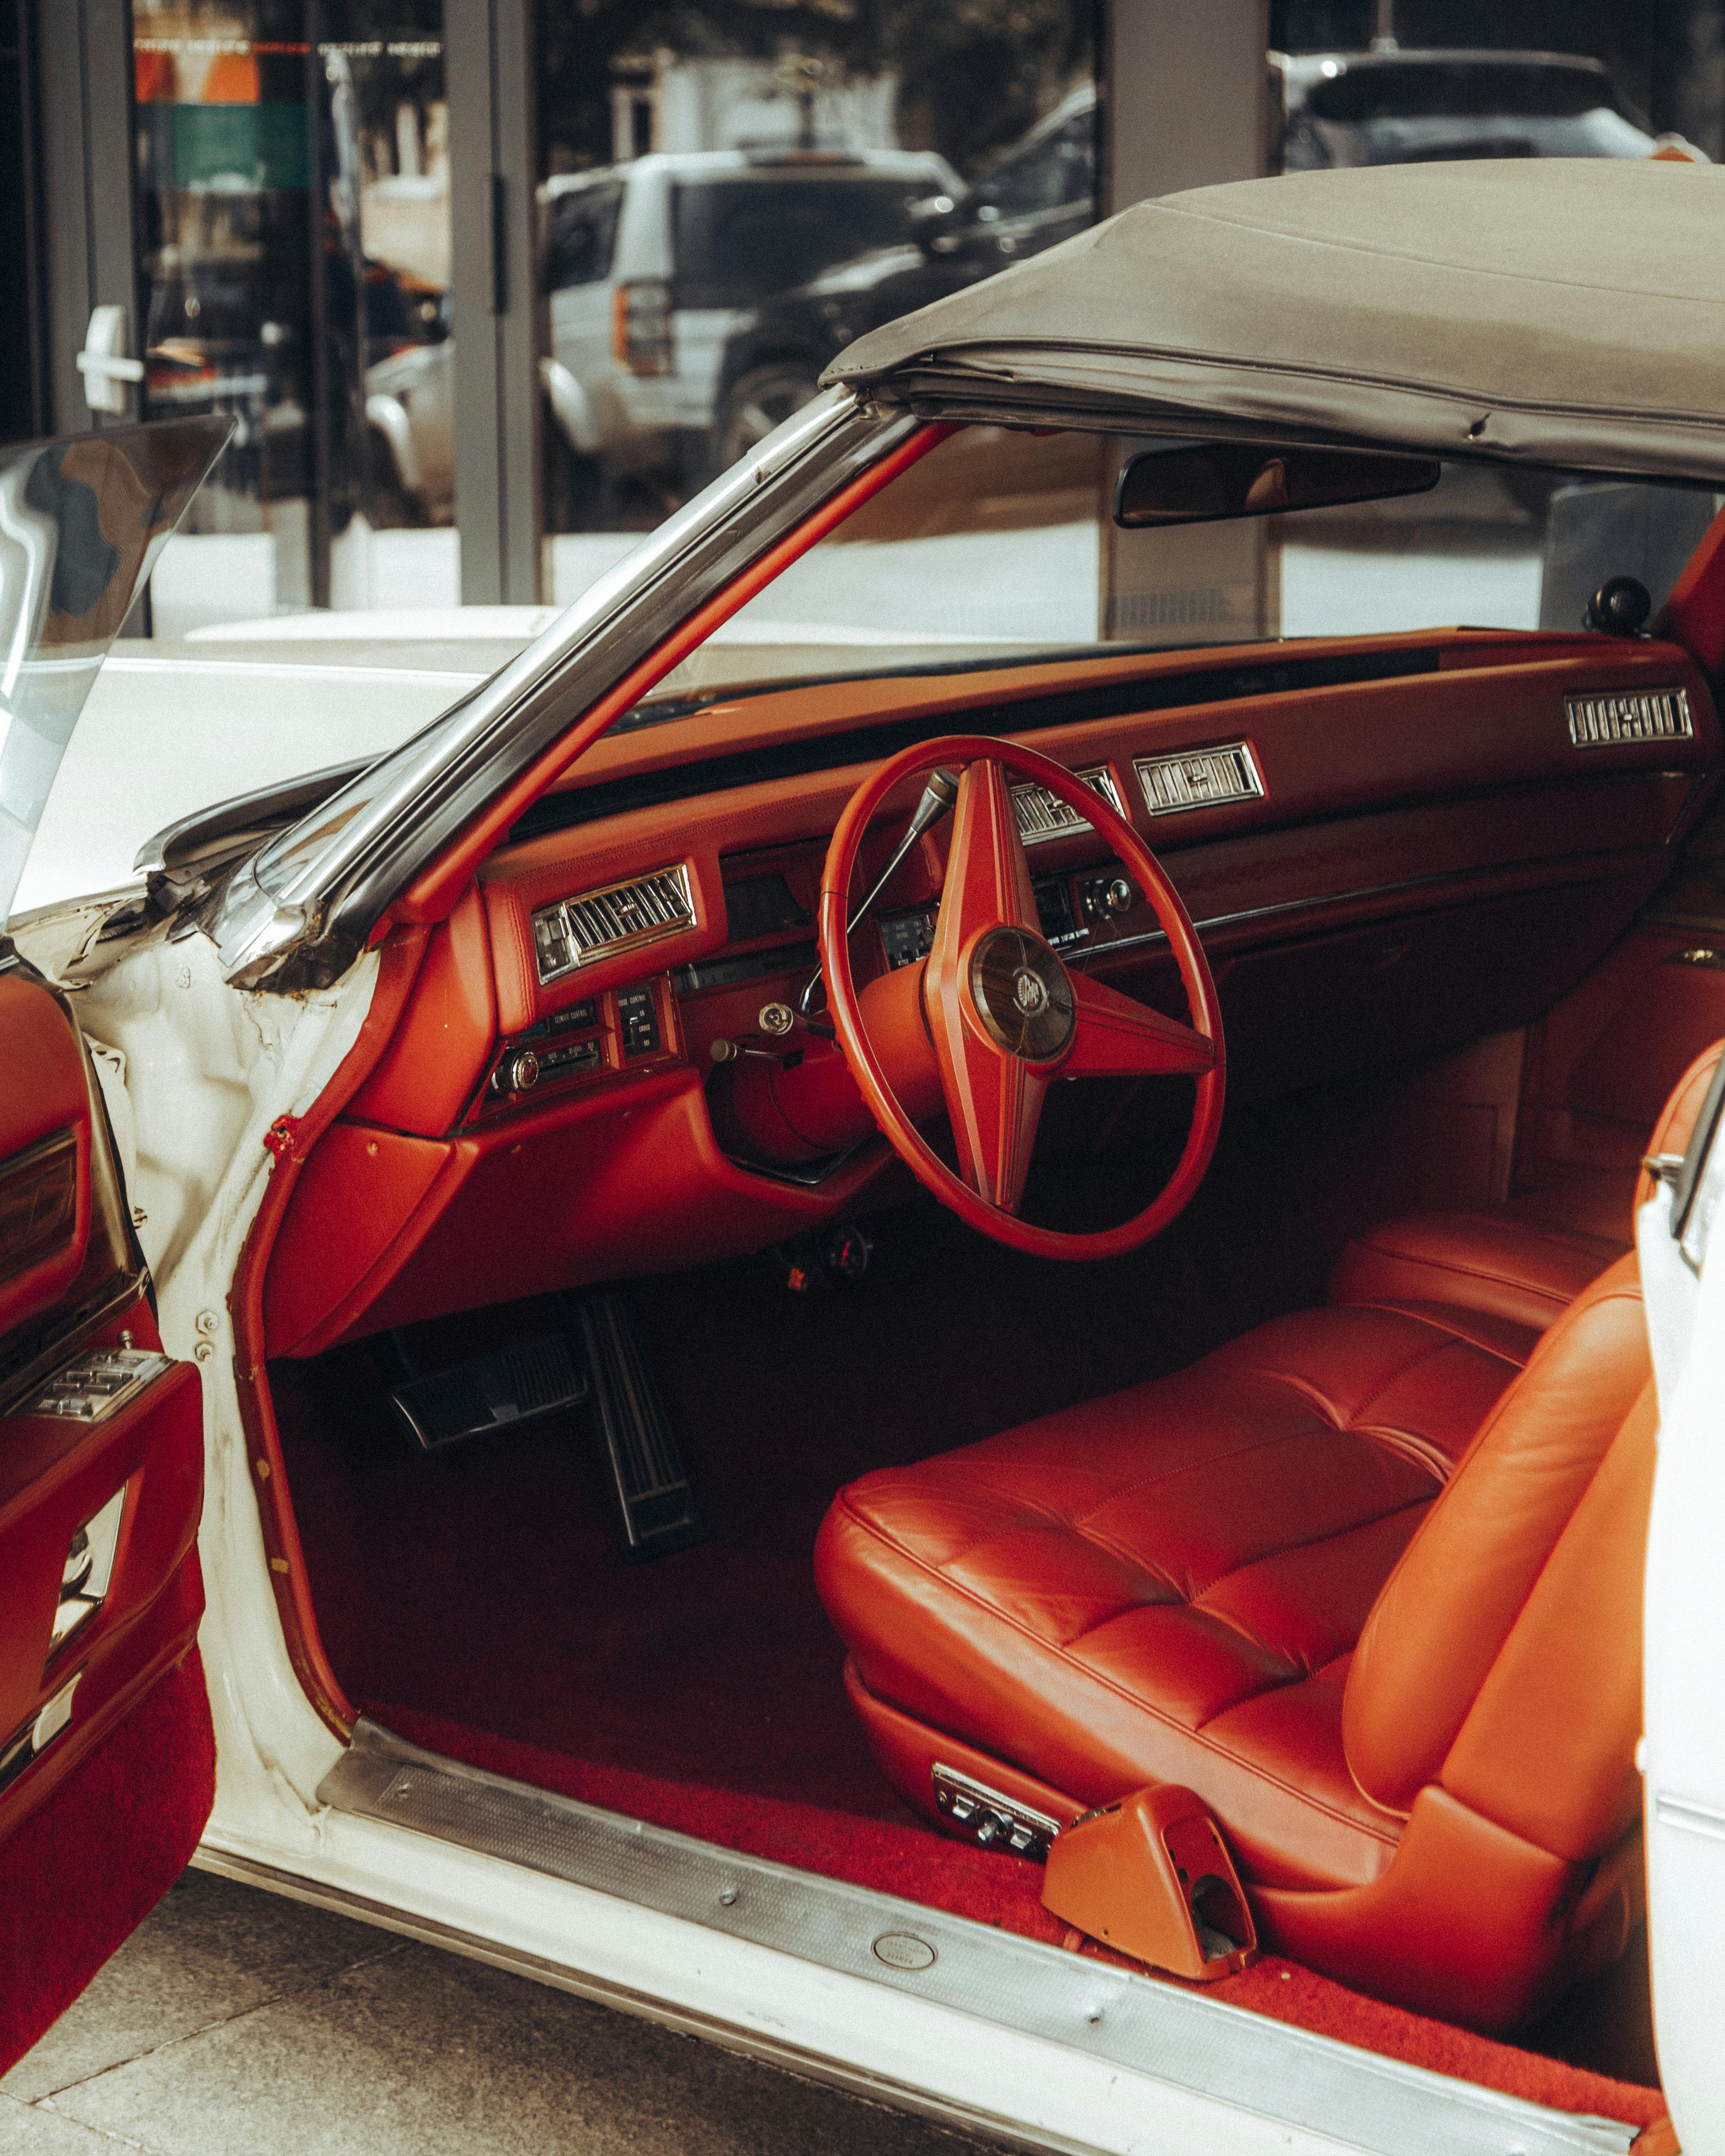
(237, 2024)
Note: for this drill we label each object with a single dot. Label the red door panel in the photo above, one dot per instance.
(45, 1152)
(105, 1754)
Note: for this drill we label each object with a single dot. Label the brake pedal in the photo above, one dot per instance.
(654, 1498)
(490, 1393)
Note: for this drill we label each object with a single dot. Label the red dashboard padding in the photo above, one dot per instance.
(439, 1051)
(44, 1200)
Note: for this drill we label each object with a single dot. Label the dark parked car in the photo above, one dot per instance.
(1042, 190)
(1416, 107)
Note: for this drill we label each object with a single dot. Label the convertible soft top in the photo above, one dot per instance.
(1556, 310)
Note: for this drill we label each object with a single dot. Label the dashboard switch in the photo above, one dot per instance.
(638, 1018)
(518, 1073)
(1108, 898)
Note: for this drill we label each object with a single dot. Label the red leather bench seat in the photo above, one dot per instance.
(1359, 1579)
(1526, 1261)
(1167, 1585)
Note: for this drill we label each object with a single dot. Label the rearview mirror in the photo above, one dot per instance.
(1202, 483)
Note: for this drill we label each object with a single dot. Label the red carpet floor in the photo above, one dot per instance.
(478, 1600)
(919, 1865)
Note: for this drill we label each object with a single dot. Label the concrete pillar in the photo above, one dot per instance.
(494, 171)
(85, 54)
(1184, 104)
(1184, 95)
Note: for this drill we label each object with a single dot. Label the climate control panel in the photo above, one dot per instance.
(624, 1030)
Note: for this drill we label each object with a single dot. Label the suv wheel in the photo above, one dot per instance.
(759, 401)
(576, 495)
(387, 503)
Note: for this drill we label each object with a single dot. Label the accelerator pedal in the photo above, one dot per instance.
(653, 1494)
(490, 1393)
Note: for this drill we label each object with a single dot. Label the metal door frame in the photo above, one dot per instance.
(83, 61)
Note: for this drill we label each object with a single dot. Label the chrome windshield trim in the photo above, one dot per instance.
(298, 913)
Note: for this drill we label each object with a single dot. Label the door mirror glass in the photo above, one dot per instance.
(1202, 483)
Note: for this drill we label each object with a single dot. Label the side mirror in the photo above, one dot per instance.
(934, 223)
(1205, 482)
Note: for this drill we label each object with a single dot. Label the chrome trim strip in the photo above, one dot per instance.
(731, 2037)
(1308, 905)
(1223, 2053)
(1689, 1817)
(299, 912)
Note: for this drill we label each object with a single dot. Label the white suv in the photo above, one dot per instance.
(648, 268)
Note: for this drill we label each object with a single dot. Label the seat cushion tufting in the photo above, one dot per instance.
(1168, 1584)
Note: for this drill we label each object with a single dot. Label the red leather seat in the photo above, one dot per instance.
(1528, 1260)
(1369, 1587)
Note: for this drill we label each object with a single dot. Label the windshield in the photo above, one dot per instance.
(739, 241)
(81, 524)
(998, 548)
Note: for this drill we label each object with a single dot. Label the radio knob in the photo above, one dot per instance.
(518, 1073)
(1118, 896)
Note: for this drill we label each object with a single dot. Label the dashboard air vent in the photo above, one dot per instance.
(1199, 778)
(1043, 815)
(618, 918)
(1640, 714)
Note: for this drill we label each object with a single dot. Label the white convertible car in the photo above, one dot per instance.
(634, 1335)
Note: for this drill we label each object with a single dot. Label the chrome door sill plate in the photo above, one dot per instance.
(1223, 2053)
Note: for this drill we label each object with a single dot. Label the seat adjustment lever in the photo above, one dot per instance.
(1152, 1877)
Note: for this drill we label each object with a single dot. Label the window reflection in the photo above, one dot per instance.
(293, 212)
(747, 197)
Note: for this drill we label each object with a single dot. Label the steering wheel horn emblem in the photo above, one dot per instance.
(1022, 994)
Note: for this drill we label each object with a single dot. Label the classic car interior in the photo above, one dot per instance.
(679, 1383)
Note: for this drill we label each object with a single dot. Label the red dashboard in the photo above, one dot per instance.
(1390, 846)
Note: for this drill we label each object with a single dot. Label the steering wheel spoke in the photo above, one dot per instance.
(1117, 1038)
(994, 1103)
(987, 882)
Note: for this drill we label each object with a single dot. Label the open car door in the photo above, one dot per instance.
(107, 1760)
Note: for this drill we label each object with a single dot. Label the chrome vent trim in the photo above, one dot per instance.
(618, 916)
(1043, 815)
(1638, 714)
(1199, 779)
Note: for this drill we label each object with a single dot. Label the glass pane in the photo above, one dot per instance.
(294, 249)
(727, 203)
(989, 552)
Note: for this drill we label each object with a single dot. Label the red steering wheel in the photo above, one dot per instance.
(986, 1023)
